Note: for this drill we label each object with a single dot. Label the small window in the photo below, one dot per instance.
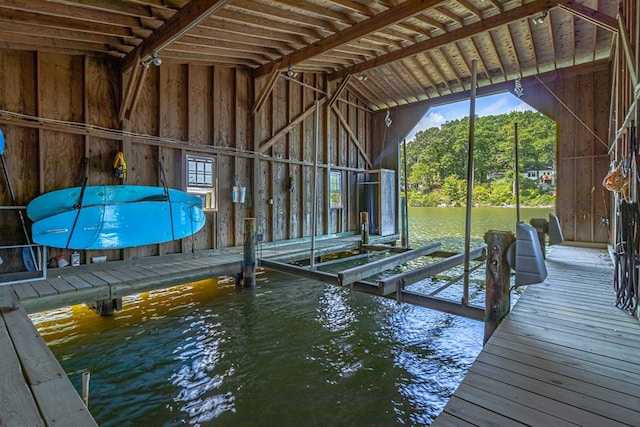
(335, 190)
(201, 179)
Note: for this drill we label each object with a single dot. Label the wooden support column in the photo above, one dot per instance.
(498, 296)
(249, 259)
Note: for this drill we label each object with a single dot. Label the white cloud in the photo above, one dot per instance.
(429, 120)
(493, 105)
(523, 106)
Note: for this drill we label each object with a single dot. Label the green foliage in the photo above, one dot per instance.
(437, 160)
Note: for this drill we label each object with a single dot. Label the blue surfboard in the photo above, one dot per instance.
(114, 217)
(58, 201)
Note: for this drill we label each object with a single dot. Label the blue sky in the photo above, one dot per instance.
(485, 106)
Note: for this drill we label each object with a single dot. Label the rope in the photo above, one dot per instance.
(625, 280)
(163, 180)
(572, 113)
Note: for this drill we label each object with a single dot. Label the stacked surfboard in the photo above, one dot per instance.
(113, 216)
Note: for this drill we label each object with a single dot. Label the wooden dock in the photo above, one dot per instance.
(104, 281)
(564, 356)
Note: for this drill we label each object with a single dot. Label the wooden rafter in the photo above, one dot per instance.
(377, 22)
(492, 43)
(464, 60)
(433, 84)
(527, 26)
(595, 17)
(471, 8)
(352, 135)
(192, 14)
(486, 24)
(357, 90)
(449, 63)
(552, 41)
(408, 71)
(446, 12)
(480, 59)
(387, 81)
(513, 48)
(399, 77)
(432, 22)
(438, 70)
(496, 5)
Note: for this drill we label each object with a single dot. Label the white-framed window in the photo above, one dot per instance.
(335, 189)
(202, 180)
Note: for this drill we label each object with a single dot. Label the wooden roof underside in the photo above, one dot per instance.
(392, 52)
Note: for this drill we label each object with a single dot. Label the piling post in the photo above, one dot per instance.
(364, 227)
(249, 258)
(542, 226)
(498, 295)
(85, 388)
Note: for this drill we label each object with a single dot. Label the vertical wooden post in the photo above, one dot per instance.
(542, 226)
(249, 259)
(85, 388)
(498, 295)
(364, 227)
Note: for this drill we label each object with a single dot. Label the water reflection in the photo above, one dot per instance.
(288, 352)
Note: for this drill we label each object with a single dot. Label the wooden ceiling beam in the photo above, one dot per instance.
(415, 78)
(484, 25)
(471, 8)
(446, 12)
(356, 31)
(507, 86)
(426, 75)
(192, 14)
(595, 17)
(71, 11)
(65, 23)
(492, 43)
(481, 60)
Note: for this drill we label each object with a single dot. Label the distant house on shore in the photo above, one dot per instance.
(541, 176)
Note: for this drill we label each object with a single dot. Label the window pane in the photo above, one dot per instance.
(201, 179)
(335, 190)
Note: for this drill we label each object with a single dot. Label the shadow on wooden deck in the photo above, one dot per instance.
(564, 355)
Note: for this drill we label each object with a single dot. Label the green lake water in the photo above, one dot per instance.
(289, 352)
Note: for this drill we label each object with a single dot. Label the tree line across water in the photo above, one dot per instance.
(437, 161)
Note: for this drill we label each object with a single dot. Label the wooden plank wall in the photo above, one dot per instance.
(578, 100)
(181, 109)
(583, 159)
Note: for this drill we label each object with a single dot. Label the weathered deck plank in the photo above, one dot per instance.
(18, 405)
(564, 352)
(58, 403)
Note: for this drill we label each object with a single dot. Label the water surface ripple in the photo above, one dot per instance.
(288, 352)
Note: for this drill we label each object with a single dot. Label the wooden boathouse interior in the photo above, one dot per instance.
(301, 105)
